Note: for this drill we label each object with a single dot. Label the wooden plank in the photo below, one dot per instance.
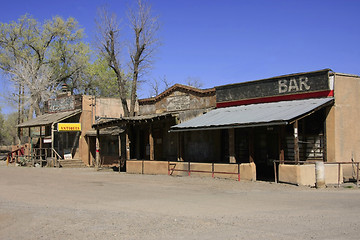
(151, 143)
(296, 141)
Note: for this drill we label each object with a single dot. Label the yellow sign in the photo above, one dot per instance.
(69, 127)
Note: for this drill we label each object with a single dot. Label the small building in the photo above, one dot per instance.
(65, 131)
(147, 135)
(295, 120)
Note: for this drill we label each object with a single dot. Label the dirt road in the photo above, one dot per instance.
(50, 203)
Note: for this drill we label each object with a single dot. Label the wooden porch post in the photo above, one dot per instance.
(41, 146)
(119, 139)
(41, 139)
(138, 147)
(296, 142)
(281, 145)
(232, 158)
(151, 143)
(180, 146)
(251, 145)
(97, 156)
(127, 144)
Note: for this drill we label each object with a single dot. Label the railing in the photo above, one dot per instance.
(213, 172)
(56, 158)
(36, 156)
(331, 163)
(13, 156)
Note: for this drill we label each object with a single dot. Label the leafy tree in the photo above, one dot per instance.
(2, 130)
(38, 57)
(8, 132)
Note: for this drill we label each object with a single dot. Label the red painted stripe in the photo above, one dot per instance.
(328, 93)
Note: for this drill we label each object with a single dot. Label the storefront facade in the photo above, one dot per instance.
(299, 118)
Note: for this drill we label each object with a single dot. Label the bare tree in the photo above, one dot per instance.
(159, 85)
(39, 81)
(141, 49)
(144, 26)
(110, 48)
(154, 87)
(194, 82)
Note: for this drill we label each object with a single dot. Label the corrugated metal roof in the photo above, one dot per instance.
(275, 113)
(48, 119)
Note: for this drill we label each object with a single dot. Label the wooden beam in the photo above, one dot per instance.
(151, 143)
(97, 156)
(127, 144)
(296, 142)
(180, 146)
(281, 145)
(251, 145)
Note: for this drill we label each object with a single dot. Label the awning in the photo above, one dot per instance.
(113, 131)
(48, 119)
(133, 120)
(264, 114)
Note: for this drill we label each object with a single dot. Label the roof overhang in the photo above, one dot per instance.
(48, 119)
(254, 115)
(110, 131)
(132, 120)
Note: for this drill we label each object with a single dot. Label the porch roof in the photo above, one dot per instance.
(133, 120)
(113, 131)
(262, 114)
(48, 119)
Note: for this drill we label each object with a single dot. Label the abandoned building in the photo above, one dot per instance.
(147, 136)
(275, 128)
(65, 131)
(293, 120)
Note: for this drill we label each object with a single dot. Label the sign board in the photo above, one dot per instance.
(48, 140)
(304, 84)
(177, 103)
(61, 104)
(69, 127)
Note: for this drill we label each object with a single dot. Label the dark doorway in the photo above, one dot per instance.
(266, 150)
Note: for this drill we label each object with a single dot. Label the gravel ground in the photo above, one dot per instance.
(51, 203)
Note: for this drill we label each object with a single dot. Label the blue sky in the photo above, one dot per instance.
(228, 41)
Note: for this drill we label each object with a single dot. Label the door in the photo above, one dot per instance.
(266, 150)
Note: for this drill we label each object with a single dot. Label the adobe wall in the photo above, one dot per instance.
(104, 107)
(347, 115)
(305, 174)
(227, 171)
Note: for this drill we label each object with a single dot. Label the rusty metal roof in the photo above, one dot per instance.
(48, 119)
(262, 114)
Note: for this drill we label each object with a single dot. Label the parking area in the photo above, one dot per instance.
(53, 203)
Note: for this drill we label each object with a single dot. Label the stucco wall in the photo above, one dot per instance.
(347, 115)
(104, 107)
(179, 100)
(305, 174)
(247, 170)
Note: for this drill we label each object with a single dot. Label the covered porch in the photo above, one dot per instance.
(258, 133)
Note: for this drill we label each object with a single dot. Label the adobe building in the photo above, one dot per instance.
(294, 119)
(65, 131)
(147, 139)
